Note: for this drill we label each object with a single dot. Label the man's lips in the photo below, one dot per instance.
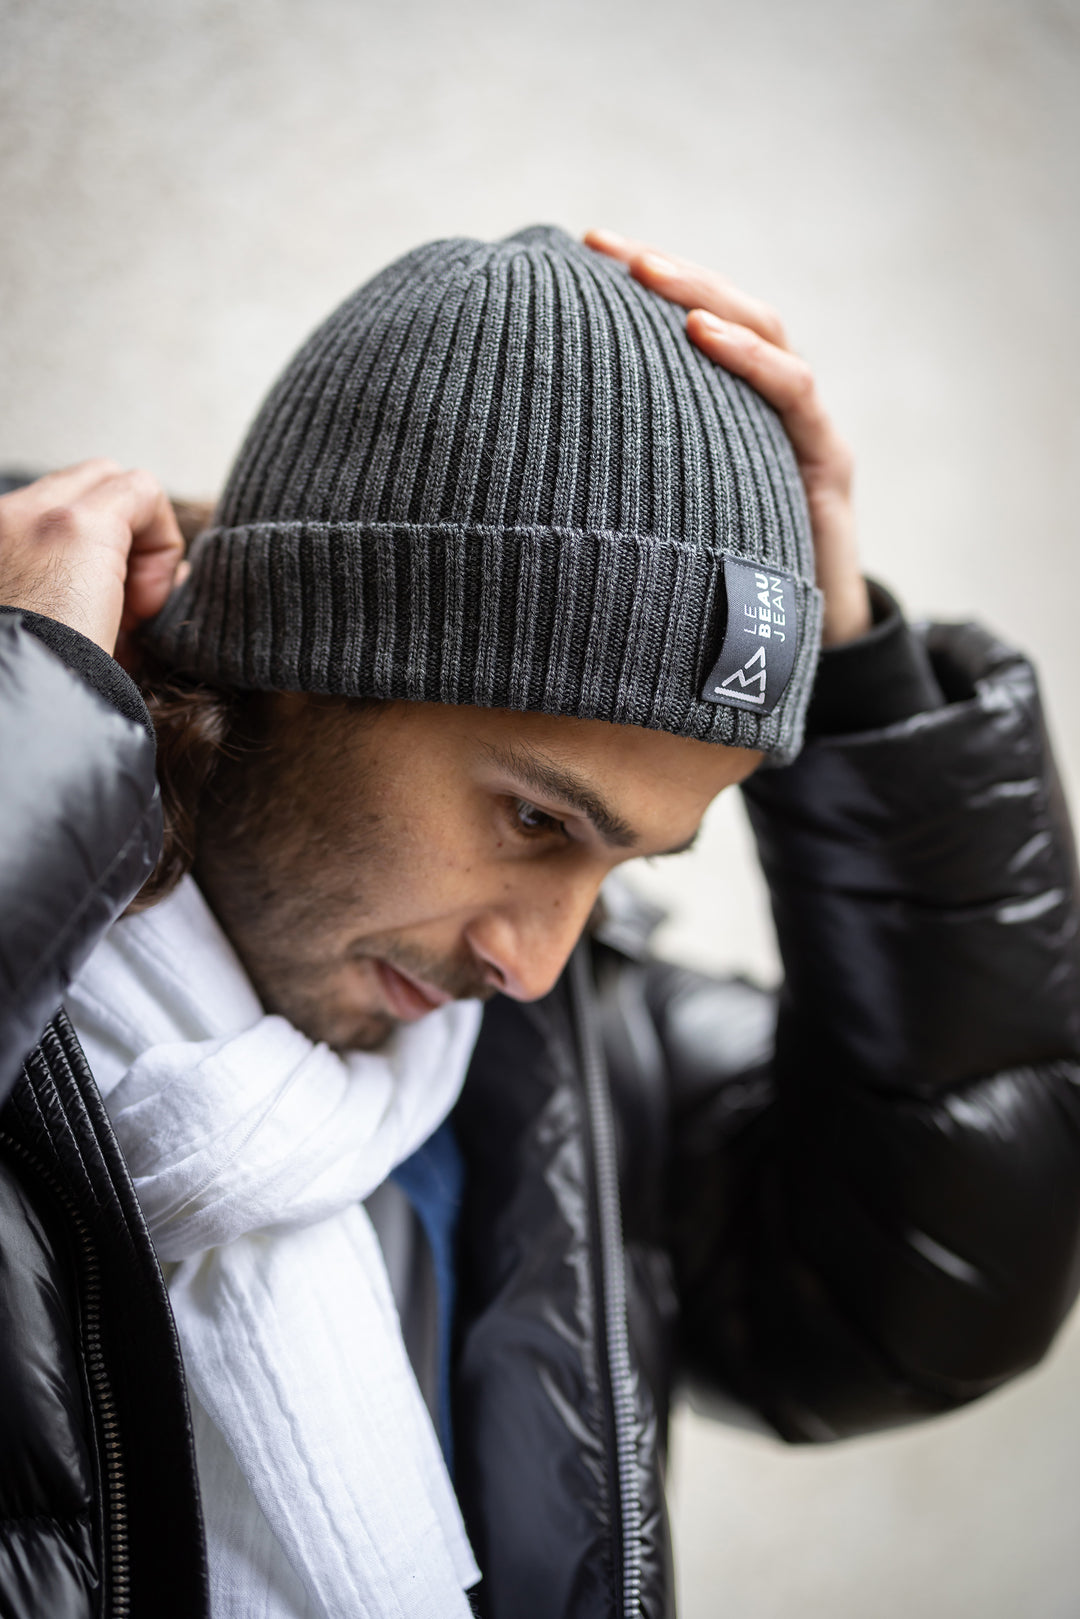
(407, 998)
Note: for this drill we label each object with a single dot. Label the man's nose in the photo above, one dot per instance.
(526, 945)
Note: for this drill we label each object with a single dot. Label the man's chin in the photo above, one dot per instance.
(342, 1031)
(368, 1033)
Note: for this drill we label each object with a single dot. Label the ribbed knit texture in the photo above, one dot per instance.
(500, 474)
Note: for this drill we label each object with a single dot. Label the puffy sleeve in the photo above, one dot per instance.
(80, 812)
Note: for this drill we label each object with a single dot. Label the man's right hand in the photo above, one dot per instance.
(94, 546)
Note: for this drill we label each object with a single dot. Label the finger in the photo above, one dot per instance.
(746, 337)
(694, 287)
(615, 246)
(156, 558)
(127, 651)
(782, 378)
(689, 284)
(135, 502)
(67, 484)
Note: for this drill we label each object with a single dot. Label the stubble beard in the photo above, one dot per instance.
(285, 877)
(277, 923)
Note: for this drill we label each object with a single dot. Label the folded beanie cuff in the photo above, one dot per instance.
(610, 626)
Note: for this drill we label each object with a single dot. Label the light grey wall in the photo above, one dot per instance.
(187, 187)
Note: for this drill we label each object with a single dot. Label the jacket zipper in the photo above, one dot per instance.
(612, 1284)
(117, 1567)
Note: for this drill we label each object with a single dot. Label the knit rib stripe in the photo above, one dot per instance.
(569, 425)
(598, 400)
(627, 383)
(523, 468)
(419, 485)
(487, 362)
(507, 421)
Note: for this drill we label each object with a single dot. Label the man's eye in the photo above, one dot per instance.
(532, 820)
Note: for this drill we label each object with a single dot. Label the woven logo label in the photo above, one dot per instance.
(757, 654)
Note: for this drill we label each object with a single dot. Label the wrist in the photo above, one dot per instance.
(876, 680)
(847, 615)
(54, 597)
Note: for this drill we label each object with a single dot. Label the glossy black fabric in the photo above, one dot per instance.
(80, 815)
(90, 662)
(99, 1508)
(81, 830)
(845, 1209)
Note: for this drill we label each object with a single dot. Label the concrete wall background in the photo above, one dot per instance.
(187, 186)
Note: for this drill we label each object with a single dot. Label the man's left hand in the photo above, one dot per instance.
(746, 337)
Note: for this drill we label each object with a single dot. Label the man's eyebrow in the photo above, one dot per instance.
(536, 771)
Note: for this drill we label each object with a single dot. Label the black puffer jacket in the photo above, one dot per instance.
(852, 1209)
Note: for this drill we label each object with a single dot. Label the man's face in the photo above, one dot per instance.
(371, 863)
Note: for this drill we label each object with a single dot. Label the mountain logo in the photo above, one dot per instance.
(745, 680)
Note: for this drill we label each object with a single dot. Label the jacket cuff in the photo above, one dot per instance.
(86, 659)
(882, 677)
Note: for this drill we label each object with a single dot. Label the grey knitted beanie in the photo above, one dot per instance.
(500, 474)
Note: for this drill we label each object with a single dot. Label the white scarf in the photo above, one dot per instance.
(251, 1149)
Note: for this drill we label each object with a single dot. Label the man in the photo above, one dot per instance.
(509, 580)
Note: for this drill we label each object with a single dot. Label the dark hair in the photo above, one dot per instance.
(192, 722)
(196, 728)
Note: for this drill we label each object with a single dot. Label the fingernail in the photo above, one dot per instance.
(656, 264)
(181, 575)
(610, 238)
(722, 328)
